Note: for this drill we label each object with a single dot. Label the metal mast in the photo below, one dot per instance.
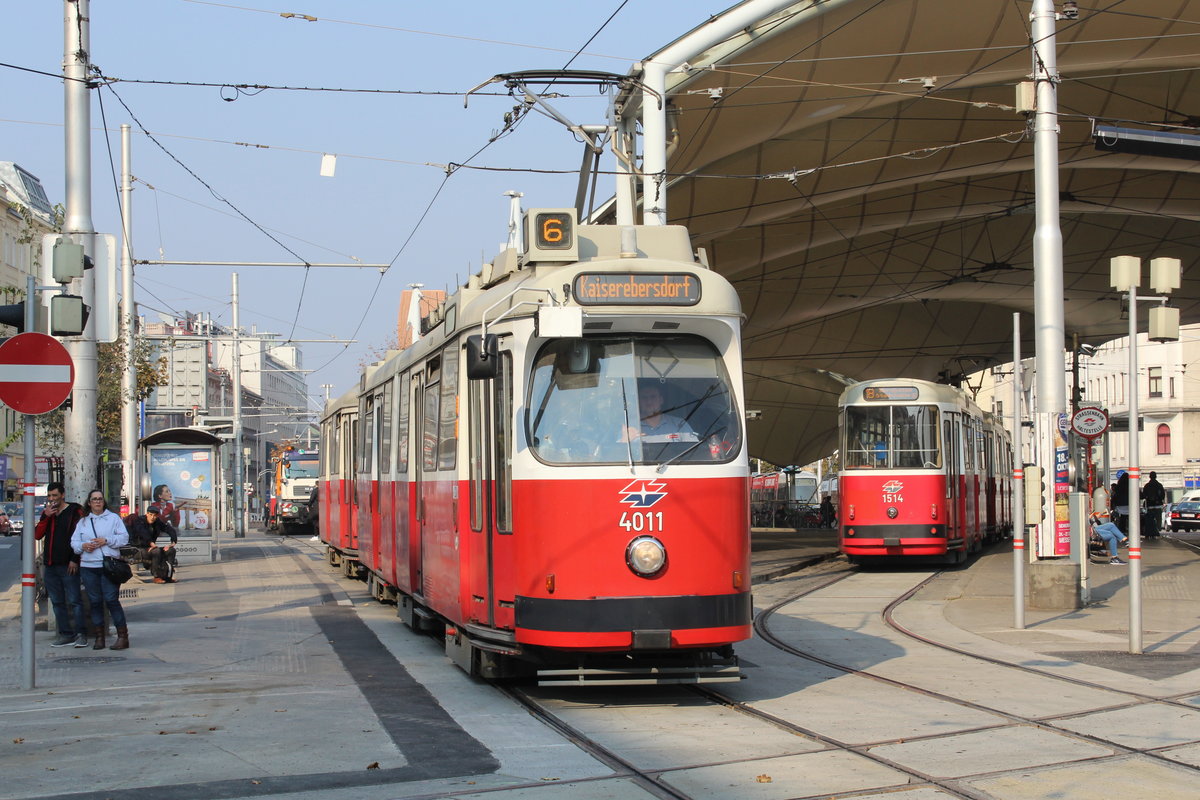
(79, 451)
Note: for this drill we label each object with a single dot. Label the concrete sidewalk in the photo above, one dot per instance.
(250, 676)
(979, 600)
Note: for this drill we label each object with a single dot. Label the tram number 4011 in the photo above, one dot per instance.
(642, 521)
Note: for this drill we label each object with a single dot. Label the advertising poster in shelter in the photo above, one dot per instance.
(1062, 489)
(182, 480)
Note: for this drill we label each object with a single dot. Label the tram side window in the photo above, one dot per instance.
(385, 443)
(448, 424)
(429, 429)
(329, 448)
(377, 443)
(402, 427)
(365, 448)
(502, 413)
(351, 495)
(476, 448)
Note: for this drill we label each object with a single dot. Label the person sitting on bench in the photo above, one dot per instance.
(1111, 535)
(143, 534)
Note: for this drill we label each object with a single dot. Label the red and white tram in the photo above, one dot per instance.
(925, 472)
(554, 475)
(339, 518)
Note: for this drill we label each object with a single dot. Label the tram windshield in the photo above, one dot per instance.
(901, 437)
(636, 400)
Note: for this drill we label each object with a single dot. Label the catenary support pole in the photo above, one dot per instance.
(129, 431)
(1049, 325)
(737, 20)
(239, 530)
(79, 427)
(1018, 490)
(1134, 499)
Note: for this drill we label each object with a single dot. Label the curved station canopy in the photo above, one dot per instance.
(861, 171)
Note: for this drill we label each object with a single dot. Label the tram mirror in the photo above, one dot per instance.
(575, 366)
(578, 356)
(482, 357)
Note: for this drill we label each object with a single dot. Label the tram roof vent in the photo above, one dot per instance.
(670, 242)
(504, 264)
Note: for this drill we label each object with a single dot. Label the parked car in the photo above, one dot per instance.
(1185, 515)
(12, 519)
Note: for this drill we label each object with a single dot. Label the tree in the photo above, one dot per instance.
(110, 361)
(378, 352)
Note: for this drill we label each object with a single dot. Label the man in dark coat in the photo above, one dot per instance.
(144, 531)
(61, 562)
(1154, 495)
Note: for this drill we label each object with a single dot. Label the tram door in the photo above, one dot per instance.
(425, 433)
(489, 405)
(952, 434)
(481, 565)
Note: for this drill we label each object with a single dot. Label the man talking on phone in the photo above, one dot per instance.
(62, 566)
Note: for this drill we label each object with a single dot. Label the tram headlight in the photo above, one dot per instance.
(646, 556)
(893, 512)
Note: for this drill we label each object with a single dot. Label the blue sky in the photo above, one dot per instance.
(382, 185)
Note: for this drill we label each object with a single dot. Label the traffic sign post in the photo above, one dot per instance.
(1090, 423)
(36, 373)
(36, 377)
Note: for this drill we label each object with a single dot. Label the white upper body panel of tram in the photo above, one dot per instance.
(518, 282)
(904, 391)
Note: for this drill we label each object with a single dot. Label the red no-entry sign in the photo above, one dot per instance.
(36, 373)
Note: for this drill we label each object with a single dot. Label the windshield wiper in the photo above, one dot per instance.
(628, 438)
(677, 456)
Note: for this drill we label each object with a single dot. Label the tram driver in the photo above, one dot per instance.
(657, 425)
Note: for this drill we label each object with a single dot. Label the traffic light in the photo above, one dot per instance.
(69, 261)
(1035, 495)
(14, 315)
(68, 315)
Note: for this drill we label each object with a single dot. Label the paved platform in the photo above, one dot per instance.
(263, 674)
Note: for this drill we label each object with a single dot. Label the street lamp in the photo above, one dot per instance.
(1125, 274)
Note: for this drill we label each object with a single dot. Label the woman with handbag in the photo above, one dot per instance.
(98, 535)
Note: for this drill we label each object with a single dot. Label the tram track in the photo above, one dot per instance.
(723, 699)
(656, 779)
(890, 620)
(650, 779)
(1135, 699)
(622, 768)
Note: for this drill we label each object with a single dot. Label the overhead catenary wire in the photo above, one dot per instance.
(510, 125)
(377, 26)
(226, 201)
(200, 180)
(159, 190)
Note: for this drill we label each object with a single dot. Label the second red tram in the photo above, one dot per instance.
(554, 476)
(925, 472)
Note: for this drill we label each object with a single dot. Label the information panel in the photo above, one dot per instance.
(882, 393)
(637, 288)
